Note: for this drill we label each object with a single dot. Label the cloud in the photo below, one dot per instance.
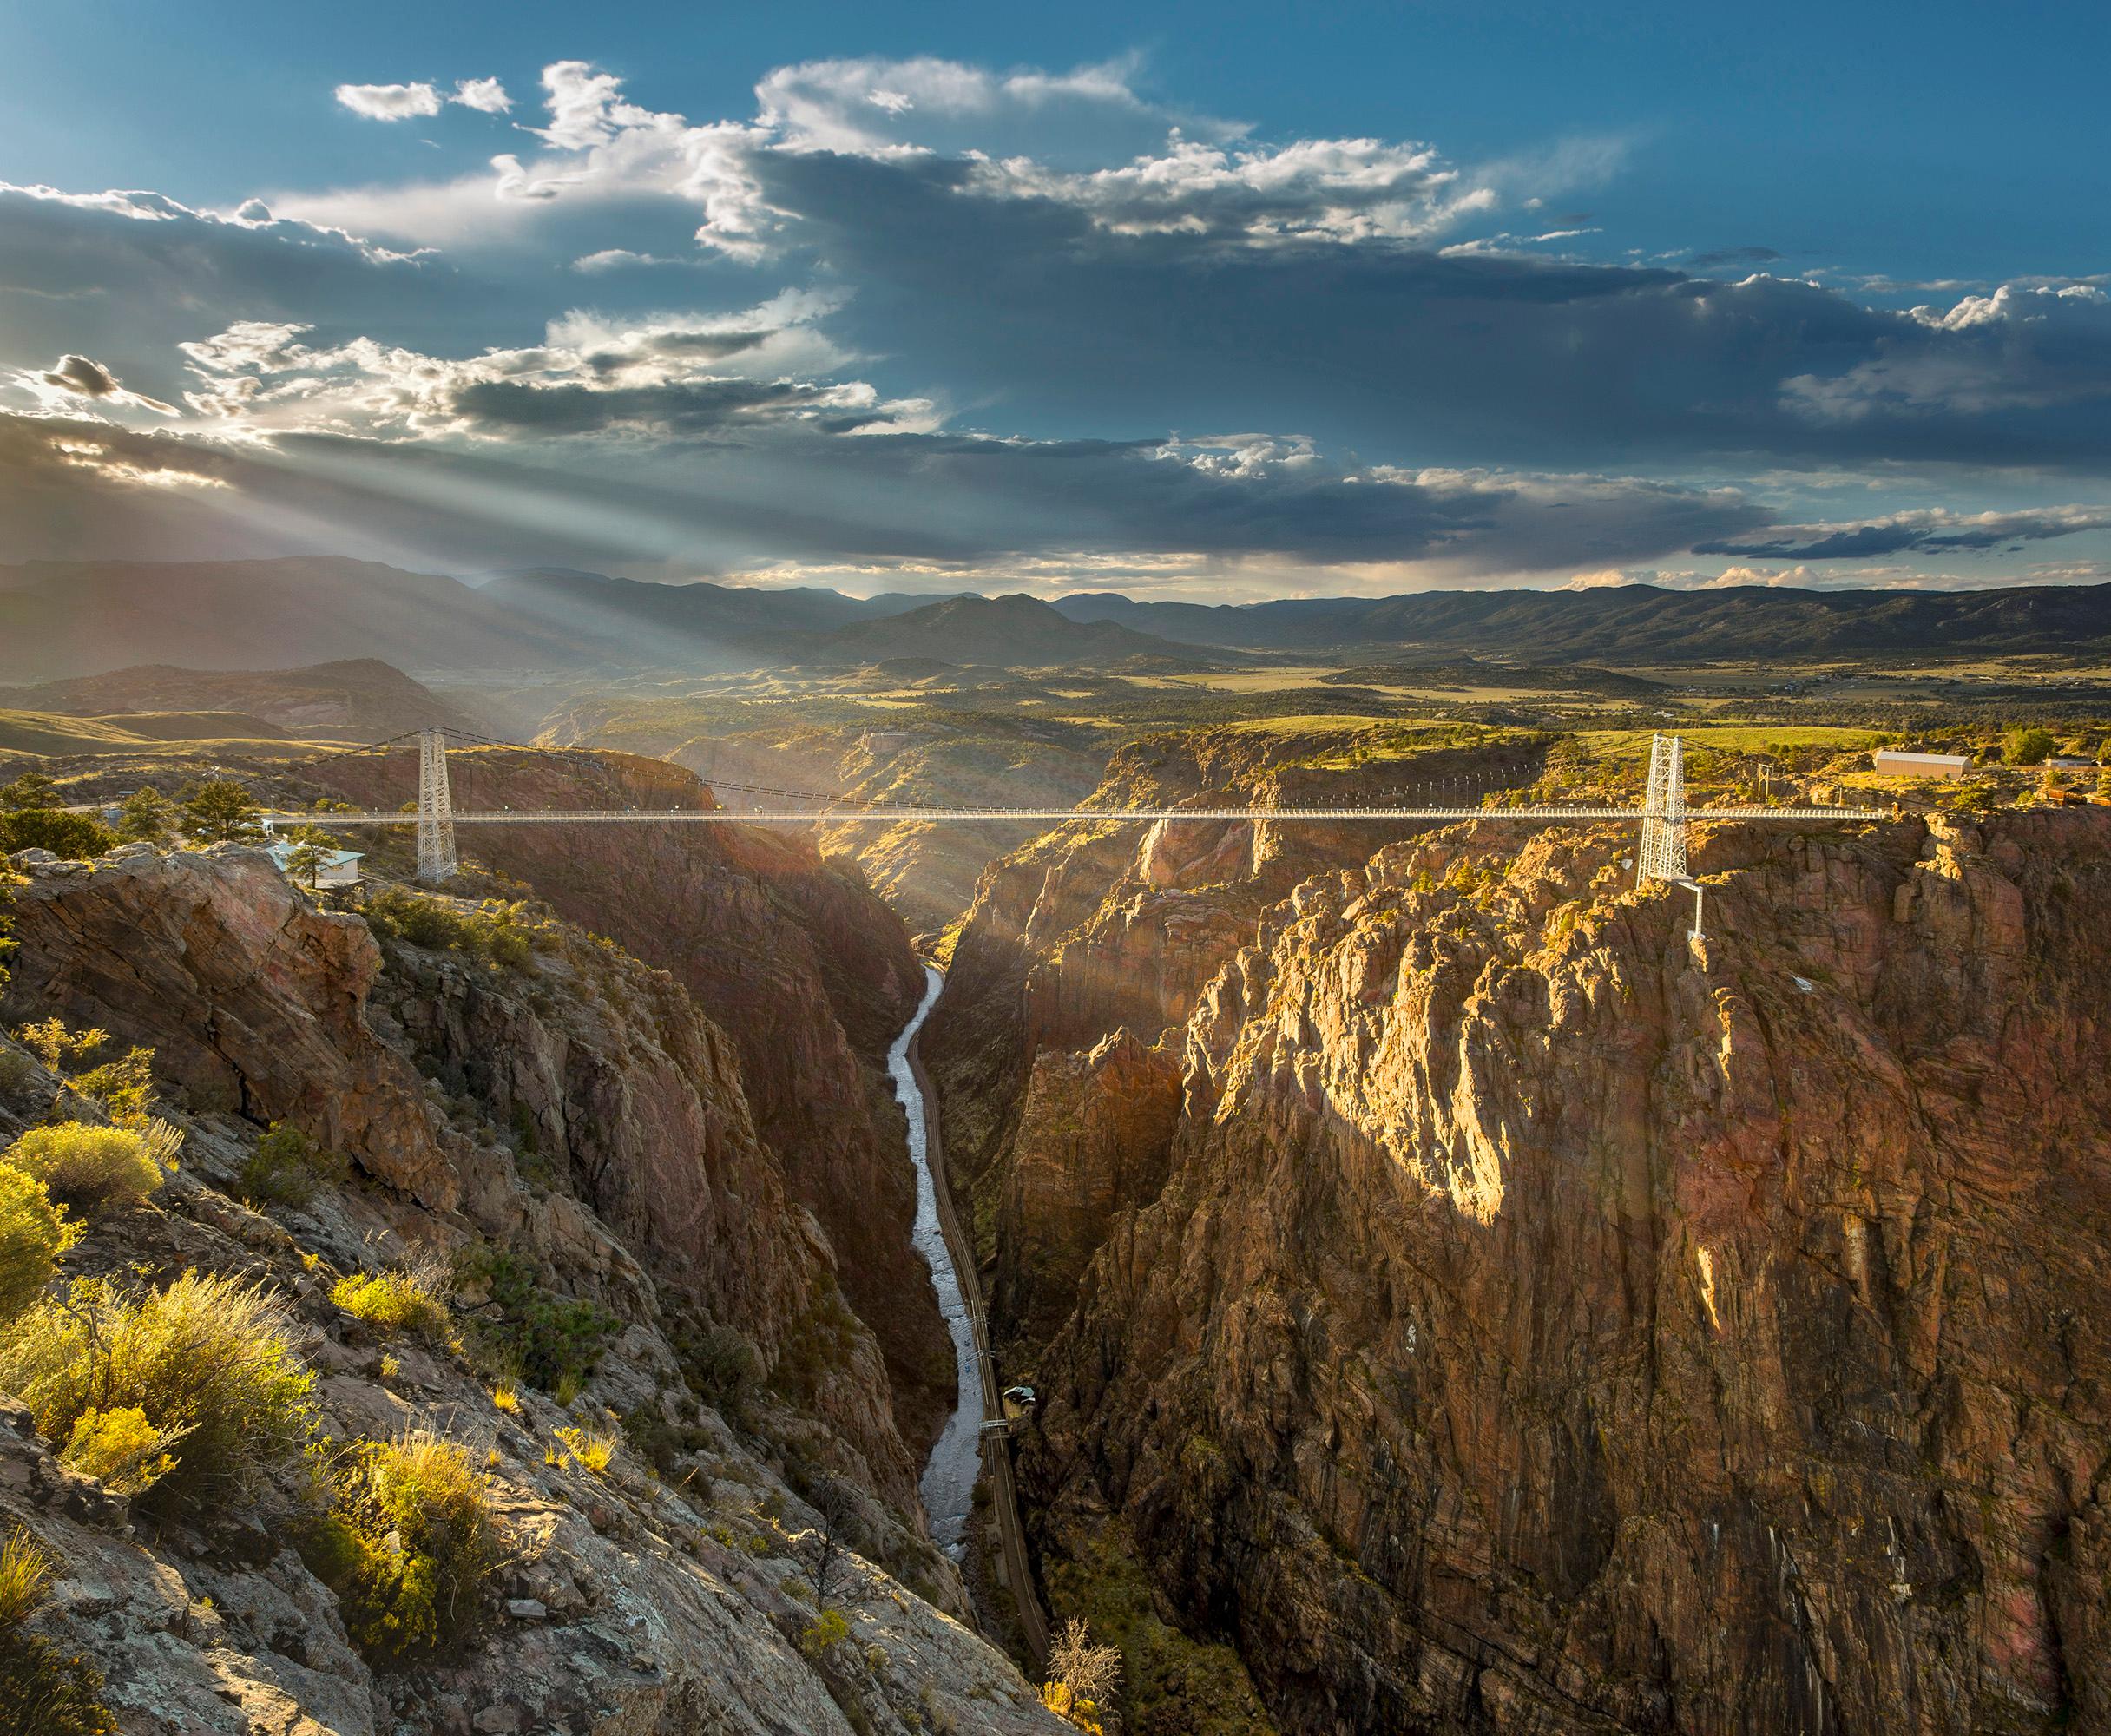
(77, 376)
(670, 378)
(1411, 394)
(620, 258)
(390, 101)
(880, 107)
(1936, 530)
(1342, 190)
(486, 96)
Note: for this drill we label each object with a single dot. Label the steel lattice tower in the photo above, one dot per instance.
(1663, 851)
(435, 811)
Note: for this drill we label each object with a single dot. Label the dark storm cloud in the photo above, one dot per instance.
(795, 490)
(78, 374)
(685, 407)
(1931, 532)
(1456, 357)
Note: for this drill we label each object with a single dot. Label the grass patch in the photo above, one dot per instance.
(44, 1692)
(208, 1362)
(398, 1301)
(407, 1545)
(594, 1449)
(25, 1573)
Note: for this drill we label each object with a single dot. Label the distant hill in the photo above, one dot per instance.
(61, 618)
(358, 699)
(1641, 623)
(707, 626)
(1016, 632)
(71, 619)
(134, 736)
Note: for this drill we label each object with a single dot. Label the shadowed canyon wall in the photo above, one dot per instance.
(1522, 1325)
(789, 954)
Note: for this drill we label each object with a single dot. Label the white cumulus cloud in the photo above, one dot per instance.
(390, 101)
(487, 96)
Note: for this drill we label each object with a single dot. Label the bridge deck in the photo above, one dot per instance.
(836, 816)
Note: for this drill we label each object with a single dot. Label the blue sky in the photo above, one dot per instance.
(1203, 301)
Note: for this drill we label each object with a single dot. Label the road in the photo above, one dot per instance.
(997, 1450)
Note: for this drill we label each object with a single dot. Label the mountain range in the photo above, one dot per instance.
(62, 619)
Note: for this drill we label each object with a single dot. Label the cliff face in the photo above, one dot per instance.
(1099, 928)
(792, 956)
(1539, 1329)
(631, 1103)
(575, 1112)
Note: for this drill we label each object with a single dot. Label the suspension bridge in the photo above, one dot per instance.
(1664, 818)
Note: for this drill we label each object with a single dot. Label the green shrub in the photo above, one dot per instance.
(825, 1633)
(407, 1546)
(722, 1368)
(209, 1358)
(121, 1449)
(2027, 747)
(500, 934)
(72, 837)
(285, 1169)
(55, 1045)
(17, 1071)
(33, 1234)
(42, 1691)
(526, 1331)
(124, 1087)
(396, 1302)
(92, 1168)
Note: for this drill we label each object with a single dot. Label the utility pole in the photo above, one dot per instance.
(435, 811)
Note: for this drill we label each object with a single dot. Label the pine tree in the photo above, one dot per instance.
(218, 811)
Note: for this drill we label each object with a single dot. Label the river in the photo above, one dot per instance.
(956, 1462)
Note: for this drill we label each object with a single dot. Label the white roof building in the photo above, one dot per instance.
(1898, 762)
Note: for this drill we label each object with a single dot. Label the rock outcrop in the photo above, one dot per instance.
(790, 955)
(577, 1113)
(1544, 1326)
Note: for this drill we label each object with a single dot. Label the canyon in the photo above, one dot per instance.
(1456, 1299)
(1488, 1313)
(579, 1135)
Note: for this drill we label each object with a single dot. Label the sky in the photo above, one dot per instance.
(1219, 303)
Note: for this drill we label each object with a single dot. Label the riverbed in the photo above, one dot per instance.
(956, 1462)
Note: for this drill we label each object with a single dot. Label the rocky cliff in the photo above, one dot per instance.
(788, 953)
(1099, 928)
(1527, 1325)
(569, 1112)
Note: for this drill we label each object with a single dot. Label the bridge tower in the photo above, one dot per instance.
(1663, 851)
(435, 811)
